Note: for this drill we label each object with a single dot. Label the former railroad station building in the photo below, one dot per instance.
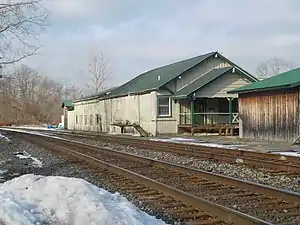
(186, 96)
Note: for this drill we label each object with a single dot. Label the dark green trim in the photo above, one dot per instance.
(192, 112)
(261, 89)
(288, 79)
(230, 110)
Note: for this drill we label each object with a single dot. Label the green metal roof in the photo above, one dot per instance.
(287, 79)
(67, 103)
(96, 95)
(158, 77)
(200, 82)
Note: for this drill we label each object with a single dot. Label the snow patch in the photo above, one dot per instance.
(6, 139)
(295, 153)
(26, 155)
(33, 199)
(128, 134)
(198, 142)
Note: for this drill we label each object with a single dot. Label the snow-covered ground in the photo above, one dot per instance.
(34, 199)
(33, 127)
(198, 142)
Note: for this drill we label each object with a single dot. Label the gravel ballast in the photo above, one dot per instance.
(55, 165)
(238, 170)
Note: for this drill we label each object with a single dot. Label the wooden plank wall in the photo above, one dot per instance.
(270, 115)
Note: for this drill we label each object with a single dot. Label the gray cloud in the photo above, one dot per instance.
(136, 37)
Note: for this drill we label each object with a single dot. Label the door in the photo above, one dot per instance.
(200, 108)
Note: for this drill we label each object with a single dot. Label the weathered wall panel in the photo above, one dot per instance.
(270, 115)
(71, 120)
(219, 87)
(203, 68)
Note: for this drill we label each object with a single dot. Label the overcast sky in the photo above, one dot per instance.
(138, 35)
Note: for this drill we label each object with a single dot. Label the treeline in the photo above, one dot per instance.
(28, 97)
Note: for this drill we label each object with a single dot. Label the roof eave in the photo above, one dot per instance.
(253, 78)
(84, 99)
(180, 97)
(261, 89)
(129, 93)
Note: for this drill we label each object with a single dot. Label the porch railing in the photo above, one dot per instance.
(208, 118)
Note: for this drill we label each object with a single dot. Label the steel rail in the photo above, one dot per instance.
(251, 186)
(227, 215)
(288, 164)
(185, 146)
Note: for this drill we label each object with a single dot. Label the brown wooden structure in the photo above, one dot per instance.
(270, 115)
(269, 109)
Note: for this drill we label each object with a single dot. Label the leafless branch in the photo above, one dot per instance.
(21, 23)
(273, 67)
(27, 97)
(98, 72)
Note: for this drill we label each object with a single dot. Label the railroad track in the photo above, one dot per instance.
(226, 199)
(274, 163)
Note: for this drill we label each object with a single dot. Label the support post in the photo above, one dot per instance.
(230, 110)
(192, 112)
(192, 116)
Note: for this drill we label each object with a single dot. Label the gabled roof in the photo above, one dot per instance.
(201, 82)
(287, 79)
(67, 103)
(158, 77)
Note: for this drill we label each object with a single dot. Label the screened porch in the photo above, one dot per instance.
(208, 111)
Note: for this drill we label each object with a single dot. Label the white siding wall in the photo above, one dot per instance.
(71, 120)
(219, 87)
(167, 125)
(86, 108)
(201, 69)
(135, 109)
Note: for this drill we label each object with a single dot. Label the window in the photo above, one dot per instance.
(91, 119)
(80, 119)
(164, 106)
(97, 119)
(76, 119)
(85, 119)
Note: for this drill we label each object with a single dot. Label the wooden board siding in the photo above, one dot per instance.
(198, 71)
(219, 87)
(270, 115)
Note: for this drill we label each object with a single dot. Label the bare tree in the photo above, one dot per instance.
(98, 72)
(21, 23)
(27, 97)
(273, 67)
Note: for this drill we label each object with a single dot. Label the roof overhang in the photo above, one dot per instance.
(128, 94)
(262, 89)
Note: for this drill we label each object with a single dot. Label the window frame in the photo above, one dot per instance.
(91, 120)
(169, 106)
(76, 119)
(85, 120)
